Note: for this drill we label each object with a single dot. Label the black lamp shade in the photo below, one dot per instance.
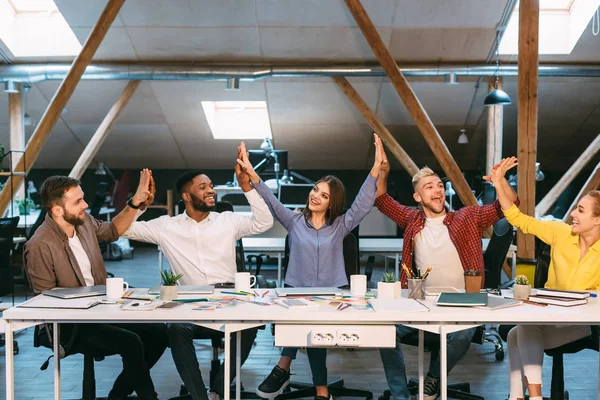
(497, 97)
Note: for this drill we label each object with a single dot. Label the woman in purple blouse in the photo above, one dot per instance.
(315, 237)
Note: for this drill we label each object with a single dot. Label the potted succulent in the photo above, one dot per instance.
(168, 288)
(25, 206)
(521, 288)
(389, 287)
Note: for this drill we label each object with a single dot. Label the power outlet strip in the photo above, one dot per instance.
(323, 337)
(348, 337)
(335, 335)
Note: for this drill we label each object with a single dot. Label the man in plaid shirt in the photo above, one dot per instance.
(448, 241)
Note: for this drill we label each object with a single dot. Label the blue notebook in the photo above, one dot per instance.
(462, 299)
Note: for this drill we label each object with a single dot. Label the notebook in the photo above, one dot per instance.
(570, 294)
(497, 303)
(308, 291)
(75, 293)
(406, 305)
(55, 302)
(186, 289)
(557, 301)
(462, 299)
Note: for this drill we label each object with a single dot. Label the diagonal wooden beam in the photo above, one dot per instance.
(593, 183)
(414, 107)
(529, 19)
(17, 137)
(385, 135)
(544, 206)
(60, 99)
(103, 130)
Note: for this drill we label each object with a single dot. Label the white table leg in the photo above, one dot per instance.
(443, 364)
(56, 342)
(227, 366)
(598, 376)
(421, 362)
(10, 359)
(238, 365)
(279, 267)
(397, 270)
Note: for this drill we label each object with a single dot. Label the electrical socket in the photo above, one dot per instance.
(322, 337)
(348, 337)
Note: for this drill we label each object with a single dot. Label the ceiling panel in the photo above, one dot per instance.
(449, 13)
(154, 43)
(319, 103)
(79, 13)
(293, 13)
(196, 13)
(317, 43)
(115, 46)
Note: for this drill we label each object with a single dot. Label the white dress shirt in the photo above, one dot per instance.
(204, 252)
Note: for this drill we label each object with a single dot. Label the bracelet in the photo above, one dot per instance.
(130, 204)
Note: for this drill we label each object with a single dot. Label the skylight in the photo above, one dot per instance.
(36, 28)
(240, 120)
(562, 22)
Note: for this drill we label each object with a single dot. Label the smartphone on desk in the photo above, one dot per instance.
(170, 304)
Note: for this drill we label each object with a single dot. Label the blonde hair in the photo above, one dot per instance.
(422, 173)
(595, 195)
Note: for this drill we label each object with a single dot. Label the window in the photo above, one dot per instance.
(36, 28)
(238, 119)
(562, 23)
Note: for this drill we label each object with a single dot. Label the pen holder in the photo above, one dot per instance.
(473, 281)
(416, 289)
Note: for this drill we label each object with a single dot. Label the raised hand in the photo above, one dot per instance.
(379, 156)
(151, 191)
(500, 169)
(143, 191)
(244, 164)
(241, 175)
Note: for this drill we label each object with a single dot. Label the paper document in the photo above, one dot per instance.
(43, 301)
(408, 305)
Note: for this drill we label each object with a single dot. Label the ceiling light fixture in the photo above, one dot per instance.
(28, 120)
(451, 79)
(497, 97)
(539, 175)
(233, 84)
(11, 87)
(463, 138)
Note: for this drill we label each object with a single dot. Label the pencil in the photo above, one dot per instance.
(409, 275)
(533, 303)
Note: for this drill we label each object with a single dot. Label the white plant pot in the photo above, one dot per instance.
(386, 290)
(168, 293)
(521, 292)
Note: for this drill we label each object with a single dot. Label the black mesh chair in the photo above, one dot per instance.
(297, 390)
(557, 386)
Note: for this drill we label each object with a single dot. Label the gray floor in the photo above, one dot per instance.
(360, 369)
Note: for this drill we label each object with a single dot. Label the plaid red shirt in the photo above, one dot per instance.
(465, 227)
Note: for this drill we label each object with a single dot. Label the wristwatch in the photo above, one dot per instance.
(130, 204)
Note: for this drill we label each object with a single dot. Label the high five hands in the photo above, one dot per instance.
(144, 195)
(500, 169)
(243, 163)
(380, 163)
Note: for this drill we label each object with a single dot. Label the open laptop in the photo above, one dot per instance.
(308, 291)
(186, 289)
(75, 293)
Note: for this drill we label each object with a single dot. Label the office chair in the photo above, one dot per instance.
(216, 337)
(493, 260)
(8, 227)
(336, 387)
(557, 386)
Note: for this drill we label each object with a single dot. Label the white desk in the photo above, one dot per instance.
(442, 320)
(389, 247)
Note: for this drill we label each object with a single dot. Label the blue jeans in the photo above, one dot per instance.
(393, 360)
(317, 358)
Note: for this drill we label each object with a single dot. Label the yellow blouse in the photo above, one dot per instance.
(566, 271)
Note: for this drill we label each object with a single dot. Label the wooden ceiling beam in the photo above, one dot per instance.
(593, 183)
(529, 19)
(17, 136)
(60, 99)
(103, 130)
(414, 107)
(375, 124)
(544, 205)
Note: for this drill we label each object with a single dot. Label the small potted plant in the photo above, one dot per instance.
(25, 206)
(168, 288)
(521, 288)
(389, 287)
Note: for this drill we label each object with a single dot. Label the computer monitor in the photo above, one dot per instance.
(294, 194)
(266, 170)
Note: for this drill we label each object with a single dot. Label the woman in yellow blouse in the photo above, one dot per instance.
(574, 265)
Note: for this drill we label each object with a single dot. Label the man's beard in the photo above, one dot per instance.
(73, 219)
(200, 205)
(430, 206)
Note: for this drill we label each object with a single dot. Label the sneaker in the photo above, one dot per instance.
(213, 395)
(274, 384)
(431, 388)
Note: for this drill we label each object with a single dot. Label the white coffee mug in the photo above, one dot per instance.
(244, 281)
(115, 287)
(358, 285)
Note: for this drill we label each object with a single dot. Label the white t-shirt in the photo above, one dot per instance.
(82, 259)
(434, 247)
